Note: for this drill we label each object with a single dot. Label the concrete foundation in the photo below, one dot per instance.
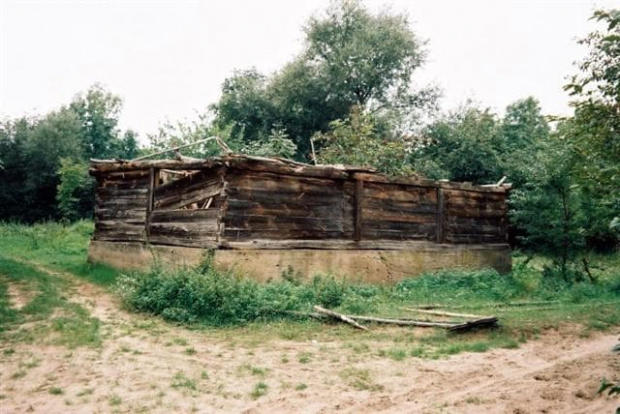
(373, 266)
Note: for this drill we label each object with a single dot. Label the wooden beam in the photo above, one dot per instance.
(153, 180)
(357, 209)
(440, 219)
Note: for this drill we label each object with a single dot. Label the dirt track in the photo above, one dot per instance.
(145, 365)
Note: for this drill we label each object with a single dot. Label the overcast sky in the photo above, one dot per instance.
(167, 59)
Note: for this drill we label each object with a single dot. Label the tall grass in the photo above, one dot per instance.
(205, 295)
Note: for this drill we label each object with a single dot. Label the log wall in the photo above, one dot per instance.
(120, 206)
(229, 206)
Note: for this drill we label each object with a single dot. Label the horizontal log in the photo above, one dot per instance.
(418, 182)
(288, 198)
(116, 214)
(380, 234)
(202, 178)
(184, 230)
(121, 203)
(233, 234)
(184, 216)
(370, 216)
(398, 206)
(474, 195)
(290, 188)
(270, 207)
(476, 213)
(115, 191)
(348, 244)
(177, 201)
(282, 223)
(400, 193)
(243, 178)
(166, 240)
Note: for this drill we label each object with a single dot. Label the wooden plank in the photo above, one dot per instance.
(357, 210)
(185, 198)
(348, 244)
(235, 234)
(400, 193)
(125, 215)
(402, 217)
(184, 216)
(270, 207)
(398, 206)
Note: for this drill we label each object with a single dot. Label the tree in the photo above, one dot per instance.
(352, 58)
(354, 141)
(58, 135)
(98, 112)
(461, 146)
(365, 58)
(524, 132)
(595, 127)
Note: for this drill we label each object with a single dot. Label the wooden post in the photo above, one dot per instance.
(357, 211)
(440, 218)
(150, 197)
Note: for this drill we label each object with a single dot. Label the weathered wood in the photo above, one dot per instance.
(490, 322)
(184, 216)
(402, 322)
(440, 217)
(153, 179)
(358, 210)
(182, 199)
(344, 244)
(448, 314)
(339, 316)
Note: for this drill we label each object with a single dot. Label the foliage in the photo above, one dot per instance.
(594, 128)
(98, 112)
(48, 313)
(31, 150)
(277, 144)
(203, 294)
(74, 190)
(354, 141)
(351, 58)
(547, 208)
(462, 146)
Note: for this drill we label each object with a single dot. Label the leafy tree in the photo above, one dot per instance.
(595, 127)
(74, 190)
(364, 57)
(58, 135)
(354, 141)
(98, 112)
(352, 58)
(277, 144)
(461, 146)
(548, 208)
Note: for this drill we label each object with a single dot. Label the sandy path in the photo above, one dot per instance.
(145, 365)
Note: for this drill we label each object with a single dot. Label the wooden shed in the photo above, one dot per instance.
(266, 215)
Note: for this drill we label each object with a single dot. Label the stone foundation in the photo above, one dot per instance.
(373, 266)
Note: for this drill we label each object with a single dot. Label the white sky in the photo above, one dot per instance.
(167, 59)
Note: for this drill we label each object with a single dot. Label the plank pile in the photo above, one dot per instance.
(471, 322)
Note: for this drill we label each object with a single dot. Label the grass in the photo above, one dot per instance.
(247, 313)
(181, 381)
(360, 379)
(259, 390)
(49, 314)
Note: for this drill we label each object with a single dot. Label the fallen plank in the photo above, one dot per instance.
(402, 322)
(490, 322)
(439, 313)
(339, 316)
